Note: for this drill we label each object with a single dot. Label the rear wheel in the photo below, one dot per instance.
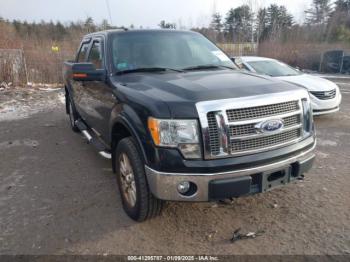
(73, 116)
(138, 201)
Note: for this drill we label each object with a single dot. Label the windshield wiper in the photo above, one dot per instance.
(228, 67)
(203, 67)
(147, 69)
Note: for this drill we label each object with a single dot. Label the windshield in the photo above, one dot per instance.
(273, 68)
(162, 49)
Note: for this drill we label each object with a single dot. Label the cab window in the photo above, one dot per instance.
(95, 55)
(82, 53)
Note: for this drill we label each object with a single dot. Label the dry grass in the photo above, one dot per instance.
(238, 49)
(45, 66)
(42, 64)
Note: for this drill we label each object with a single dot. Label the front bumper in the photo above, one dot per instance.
(321, 107)
(325, 111)
(163, 185)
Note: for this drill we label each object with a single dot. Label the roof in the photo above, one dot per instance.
(255, 58)
(125, 30)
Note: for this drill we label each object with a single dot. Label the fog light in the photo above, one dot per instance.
(183, 187)
(190, 151)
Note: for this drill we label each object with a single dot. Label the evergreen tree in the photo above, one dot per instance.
(105, 25)
(238, 23)
(319, 12)
(338, 27)
(89, 25)
(278, 19)
(17, 25)
(229, 21)
(342, 6)
(261, 24)
(165, 25)
(60, 31)
(216, 23)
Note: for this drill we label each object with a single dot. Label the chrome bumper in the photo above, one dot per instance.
(164, 185)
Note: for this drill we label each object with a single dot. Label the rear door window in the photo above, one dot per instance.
(82, 52)
(95, 55)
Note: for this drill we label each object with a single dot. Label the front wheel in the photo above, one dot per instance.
(138, 201)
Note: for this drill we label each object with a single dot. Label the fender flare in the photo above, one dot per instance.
(123, 120)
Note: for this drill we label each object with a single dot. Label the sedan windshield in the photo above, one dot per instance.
(168, 50)
(273, 68)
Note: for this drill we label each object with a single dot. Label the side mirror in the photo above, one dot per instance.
(238, 62)
(87, 72)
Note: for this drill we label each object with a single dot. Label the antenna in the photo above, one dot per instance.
(109, 12)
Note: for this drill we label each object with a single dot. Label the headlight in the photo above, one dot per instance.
(307, 117)
(181, 134)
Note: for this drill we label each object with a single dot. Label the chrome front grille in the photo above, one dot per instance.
(261, 111)
(249, 129)
(292, 120)
(324, 95)
(242, 130)
(213, 134)
(262, 142)
(234, 127)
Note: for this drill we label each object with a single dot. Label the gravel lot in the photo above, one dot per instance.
(57, 196)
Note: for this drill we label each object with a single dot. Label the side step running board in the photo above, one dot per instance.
(93, 141)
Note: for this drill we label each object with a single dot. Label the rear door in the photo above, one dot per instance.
(78, 91)
(99, 99)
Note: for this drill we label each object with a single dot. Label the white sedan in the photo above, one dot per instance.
(325, 95)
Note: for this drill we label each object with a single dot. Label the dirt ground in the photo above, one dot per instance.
(58, 196)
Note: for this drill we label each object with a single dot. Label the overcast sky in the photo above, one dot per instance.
(147, 13)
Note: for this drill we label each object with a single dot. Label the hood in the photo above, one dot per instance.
(310, 82)
(181, 91)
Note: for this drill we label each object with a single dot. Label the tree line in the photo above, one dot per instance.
(56, 31)
(324, 21)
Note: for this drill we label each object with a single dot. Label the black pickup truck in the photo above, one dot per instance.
(181, 123)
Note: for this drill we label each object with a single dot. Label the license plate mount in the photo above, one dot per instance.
(276, 178)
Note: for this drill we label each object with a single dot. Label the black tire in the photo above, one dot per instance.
(73, 115)
(146, 205)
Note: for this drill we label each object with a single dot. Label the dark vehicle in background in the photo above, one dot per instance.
(335, 61)
(180, 123)
(346, 65)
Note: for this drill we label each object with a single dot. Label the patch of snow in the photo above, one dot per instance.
(22, 103)
(62, 98)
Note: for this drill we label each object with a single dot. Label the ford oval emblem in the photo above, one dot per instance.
(270, 125)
